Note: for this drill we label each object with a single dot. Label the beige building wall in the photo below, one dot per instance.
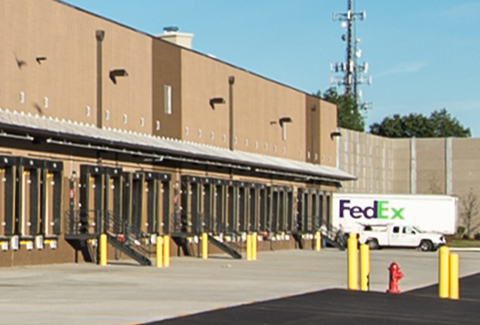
(166, 62)
(312, 129)
(48, 64)
(321, 122)
(328, 126)
(258, 105)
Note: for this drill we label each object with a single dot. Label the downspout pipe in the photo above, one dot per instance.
(99, 35)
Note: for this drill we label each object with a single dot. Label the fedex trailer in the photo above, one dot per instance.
(432, 213)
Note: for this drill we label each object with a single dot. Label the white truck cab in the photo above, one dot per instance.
(391, 235)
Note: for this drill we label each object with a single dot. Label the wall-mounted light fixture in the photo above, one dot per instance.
(335, 134)
(117, 73)
(216, 100)
(40, 59)
(282, 122)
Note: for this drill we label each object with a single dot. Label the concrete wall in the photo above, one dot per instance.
(416, 166)
(401, 162)
(370, 159)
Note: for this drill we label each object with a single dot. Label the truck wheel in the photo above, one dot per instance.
(426, 246)
(372, 243)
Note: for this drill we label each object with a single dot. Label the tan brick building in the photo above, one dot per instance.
(105, 129)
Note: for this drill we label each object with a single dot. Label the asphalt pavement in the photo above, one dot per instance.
(340, 306)
(291, 286)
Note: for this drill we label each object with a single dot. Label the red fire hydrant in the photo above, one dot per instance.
(395, 276)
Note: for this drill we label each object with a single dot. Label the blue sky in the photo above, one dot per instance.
(423, 55)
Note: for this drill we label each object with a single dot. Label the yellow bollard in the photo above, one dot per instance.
(318, 240)
(364, 267)
(443, 259)
(103, 250)
(166, 251)
(254, 246)
(352, 262)
(249, 247)
(159, 262)
(204, 245)
(454, 285)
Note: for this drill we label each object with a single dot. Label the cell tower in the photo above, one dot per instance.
(353, 74)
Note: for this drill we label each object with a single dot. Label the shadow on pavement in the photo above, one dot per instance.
(337, 306)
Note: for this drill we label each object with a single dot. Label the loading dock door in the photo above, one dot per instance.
(328, 210)
(3, 202)
(195, 200)
(302, 208)
(321, 212)
(151, 191)
(10, 199)
(191, 204)
(157, 197)
(208, 206)
(281, 211)
(164, 223)
(126, 217)
(138, 191)
(253, 205)
(100, 197)
(219, 209)
(23, 217)
(274, 210)
(35, 198)
(7, 195)
(230, 226)
(48, 209)
(263, 210)
(315, 212)
(290, 226)
(118, 198)
(109, 217)
(89, 215)
(242, 208)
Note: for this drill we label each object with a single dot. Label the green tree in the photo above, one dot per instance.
(439, 124)
(446, 126)
(348, 112)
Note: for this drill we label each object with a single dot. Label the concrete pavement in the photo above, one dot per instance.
(123, 293)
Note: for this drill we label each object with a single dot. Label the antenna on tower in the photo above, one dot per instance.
(353, 73)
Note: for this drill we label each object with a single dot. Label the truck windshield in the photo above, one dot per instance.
(417, 229)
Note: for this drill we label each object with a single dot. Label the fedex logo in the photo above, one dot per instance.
(379, 210)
